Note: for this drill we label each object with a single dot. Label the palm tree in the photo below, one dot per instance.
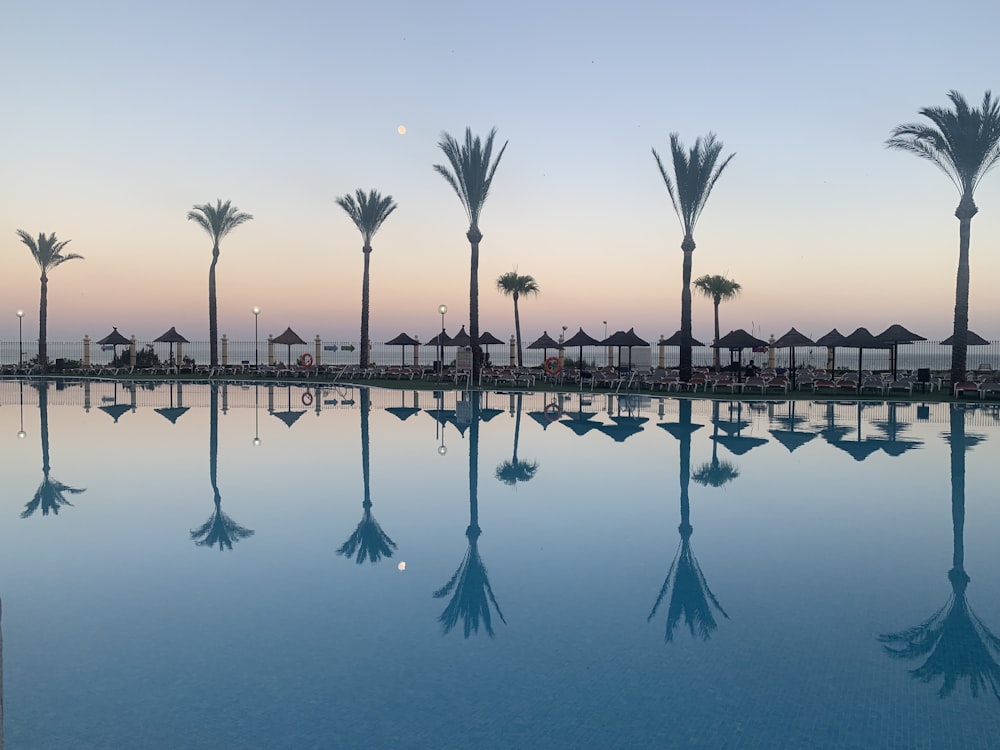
(513, 284)
(48, 253)
(368, 542)
(470, 176)
(716, 473)
(51, 493)
(719, 289)
(367, 212)
(695, 174)
(965, 144)
(218, 220)
(219, 529)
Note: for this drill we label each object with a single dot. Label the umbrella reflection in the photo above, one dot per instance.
(51, 493)
(954, 643)
(368, 542)
(219, 529)
(469, 588)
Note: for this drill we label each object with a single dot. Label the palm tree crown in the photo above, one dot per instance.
(218, 221)
(47, 251)
(718, 289)
(514, 285)
(368, 212)
(695, 174)
(965, 144)
(470, 171)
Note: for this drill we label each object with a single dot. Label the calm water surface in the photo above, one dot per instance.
(255, 567)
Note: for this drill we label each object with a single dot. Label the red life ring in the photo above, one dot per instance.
(553, 366)
(306, 359)
(307, 399)
(552, 411)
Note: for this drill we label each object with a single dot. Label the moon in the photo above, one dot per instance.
(402, 565)
(401, 130)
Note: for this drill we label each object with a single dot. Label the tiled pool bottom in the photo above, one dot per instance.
(120, 631)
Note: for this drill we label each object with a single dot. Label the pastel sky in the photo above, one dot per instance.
(122, 115)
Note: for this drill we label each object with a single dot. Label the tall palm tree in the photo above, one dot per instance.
(965, 144)
(470, 175)
(718, 289)
(512, 284)
(368, 542)
(48, 254)
(695, 174)
(367, 212)
(218, 220)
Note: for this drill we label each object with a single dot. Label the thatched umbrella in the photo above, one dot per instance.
(831, 341)
(288, 338)
(862, 339)
(114, 340)
(544, 342)
(677, 339)
(488, 339)
(171, 337)
(402, 340)
(791, 340)
(368, 542)
(736, 341)
(580, 339)
(625, 339)
(895, 335)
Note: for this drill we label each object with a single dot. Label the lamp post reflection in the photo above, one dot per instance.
(256, 415)
(21, 433)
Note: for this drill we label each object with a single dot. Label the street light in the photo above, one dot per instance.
(20, 340)
(441, 309)
(256, 339)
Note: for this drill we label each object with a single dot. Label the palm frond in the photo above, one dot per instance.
(218, 220)
(368, 211)
(470, 169)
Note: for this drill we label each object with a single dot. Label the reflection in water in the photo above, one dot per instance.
(470, 590)
(955, 642)
(690, 595)
(51, 493)
(219, 529)
(514, 471)
(368, 542)
(716, 473)
(1, 675)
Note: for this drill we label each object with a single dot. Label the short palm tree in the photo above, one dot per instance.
(965, 143)
(514, 285)
(367, 212)
(695, 174)
(470, 171)
(218, 220)
(48, 254)
(718, 289)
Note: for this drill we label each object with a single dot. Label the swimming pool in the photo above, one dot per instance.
(254, 566)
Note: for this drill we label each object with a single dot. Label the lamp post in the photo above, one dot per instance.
(441, 309)
(256, 339)
(20, 340)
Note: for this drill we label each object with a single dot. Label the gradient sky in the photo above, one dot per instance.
(122, 115)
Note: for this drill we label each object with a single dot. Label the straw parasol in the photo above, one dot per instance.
(863, 339)
(403, 340)
(114, 340)
(625, 339)
(544, 342)
(737, 341)
(288, 338)
(171, 337)
(895, 335)
(580, 339)
(791, 340)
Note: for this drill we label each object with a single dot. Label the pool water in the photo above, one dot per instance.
(273, 566)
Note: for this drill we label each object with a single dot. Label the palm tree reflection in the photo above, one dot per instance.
(688, 590)
(219, 529)
(514, 471)
(469, 588)
(51, 493)
(716, 473)
(368, 542)
(955, 642)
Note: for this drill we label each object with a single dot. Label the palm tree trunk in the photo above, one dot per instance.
(475, 237)
(687, 246)
(965, 211)
(715, 352)
(517, 332)
(213, 313)
(365, 353)
(43, 323)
